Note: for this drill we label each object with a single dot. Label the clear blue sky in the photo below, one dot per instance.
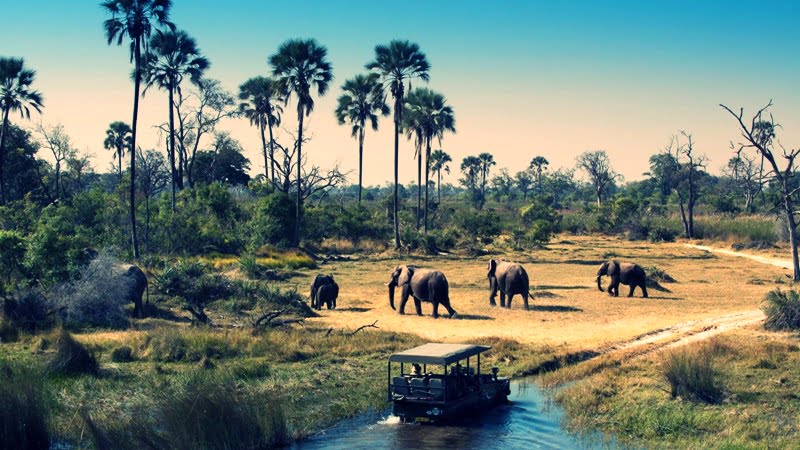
(525, 78)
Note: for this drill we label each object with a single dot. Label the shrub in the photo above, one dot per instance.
(250, 267)
(165, 345)
(8, 332)
(273, 220)
(12, 254)
(122, 354)
(190, 282)
(72, 357)
(659, 275)
(28, 310)
(691, 375)
(660, 233)
(97, 297)
(24, 415)
(782, 309)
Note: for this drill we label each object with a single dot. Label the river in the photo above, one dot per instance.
(531, 420)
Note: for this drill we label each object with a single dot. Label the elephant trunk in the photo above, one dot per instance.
(598, 283)
(392, 285)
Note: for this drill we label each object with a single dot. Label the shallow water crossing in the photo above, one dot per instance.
(530, 420)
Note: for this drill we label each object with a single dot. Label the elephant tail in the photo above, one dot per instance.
(653, 284)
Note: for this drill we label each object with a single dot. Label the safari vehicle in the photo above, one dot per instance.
(455, 389)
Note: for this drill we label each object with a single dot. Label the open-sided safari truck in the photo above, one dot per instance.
(439, 382)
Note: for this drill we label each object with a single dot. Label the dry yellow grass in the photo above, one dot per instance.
(568, 311)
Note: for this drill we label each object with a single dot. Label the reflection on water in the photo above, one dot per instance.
(531, 420)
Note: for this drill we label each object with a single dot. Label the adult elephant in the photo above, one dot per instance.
(136, 287)
(327, 295)
(319, 281)
(509, 279)
(423, 285)
(629, 274)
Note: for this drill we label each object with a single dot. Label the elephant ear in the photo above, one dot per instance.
(405, 275)
(492, 266)
(613, 268)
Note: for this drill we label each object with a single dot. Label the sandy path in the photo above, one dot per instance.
(777, 262)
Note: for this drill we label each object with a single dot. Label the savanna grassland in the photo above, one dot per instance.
(314, 373)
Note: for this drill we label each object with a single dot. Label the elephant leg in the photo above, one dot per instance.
(525, 298)
(644, 289)
(137, 308)
(630, 292)
(502, 299)
(510, 297)
(450, 310)
(403, 301)
(435, 310)
(418, 306)
(334, 302)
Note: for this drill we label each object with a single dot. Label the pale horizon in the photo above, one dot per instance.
(524, 79)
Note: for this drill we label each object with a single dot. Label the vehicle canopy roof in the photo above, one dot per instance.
(441, 354)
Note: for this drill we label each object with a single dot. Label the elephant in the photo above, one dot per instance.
(326, 295)
(629, 274)
(137, 285)
(423, 285)
(319, 281)
(510, 279)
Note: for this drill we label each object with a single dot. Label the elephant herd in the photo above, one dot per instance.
(507, 278)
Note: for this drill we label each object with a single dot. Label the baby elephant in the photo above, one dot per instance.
(324, 290)
(508, 278)
(628, 274)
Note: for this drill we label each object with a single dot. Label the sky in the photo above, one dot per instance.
(525, 78)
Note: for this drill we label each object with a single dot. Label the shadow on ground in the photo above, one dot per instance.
(555, 308)
(472, 317)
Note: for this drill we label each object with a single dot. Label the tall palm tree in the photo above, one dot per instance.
(539, 165)
(15, 95)
(398, 62)
(363, 99)
(118, 138)
(300, 66)
(134, 20)
(430, 114)
(415, 126)
(487, 161)
(438, 162)
(171, 57)
(261, 98)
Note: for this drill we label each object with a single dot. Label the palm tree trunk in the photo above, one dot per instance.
(136, 85)
(427, 157)
(271, 150)
(264, 149)
(172, 148)
(439, 186)
(3, 134)
(360, 161)
(397, 104)
(299, 163)
(419, 182)
(119, 157)
(184, 157)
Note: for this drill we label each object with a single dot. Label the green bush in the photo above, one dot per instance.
(661, 234)
(28, 310)
(12, 255)
(782, 309)
(273, 221)
(72, 357)
(24, 410)
(191, 346)
(250, 267)
(691, 375)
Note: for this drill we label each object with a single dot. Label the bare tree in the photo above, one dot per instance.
(689, 166)
(747, 175)
(199, 112)
(759, 136)
(597, 165)
(153, 178)
(313, 179)
(56, 140)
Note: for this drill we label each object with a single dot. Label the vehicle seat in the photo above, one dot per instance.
(436, 388)
(418, 387)
(400, 385)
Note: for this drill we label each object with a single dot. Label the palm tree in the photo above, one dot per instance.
(363, 99)
(300, 65)
(15, 95)
(173, 56)
(398, 62)
(429, 113)
(134, 20)
(414, 122)
(487, 161)
(539, 165)
(118, 138)
(261, 98)
(439, 160)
